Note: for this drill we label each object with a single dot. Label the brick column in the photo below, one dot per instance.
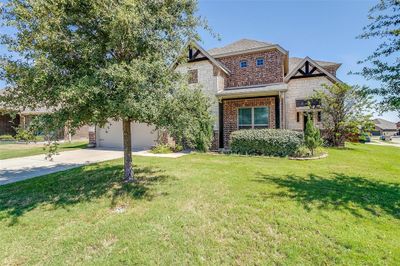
(92, 137)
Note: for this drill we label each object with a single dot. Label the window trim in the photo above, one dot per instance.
(193, 76)
(243, 61)
(263, 61)
(252, 125)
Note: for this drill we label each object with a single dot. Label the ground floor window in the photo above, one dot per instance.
(253, 117)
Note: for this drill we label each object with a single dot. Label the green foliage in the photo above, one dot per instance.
(188, 119)
(25, 135)
(302, 152)
(312, 137)
(384, 63)
(162, 148)
(95, 60)
(6, 137)
(364, 137)
(51, 149)
(345, 112)
(269, 142)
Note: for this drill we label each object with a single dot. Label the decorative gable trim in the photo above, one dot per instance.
(309, 68)
(197, 53)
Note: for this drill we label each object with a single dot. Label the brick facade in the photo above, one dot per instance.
(230, 110)
(270, 72)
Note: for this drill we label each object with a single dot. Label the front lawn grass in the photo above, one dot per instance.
(210, 209)
(8, 151)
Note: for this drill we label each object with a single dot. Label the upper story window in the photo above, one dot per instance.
(243, 64)
(259, 61)
(193, 76)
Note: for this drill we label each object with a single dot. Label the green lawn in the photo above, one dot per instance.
(8, 151)
(210, 209)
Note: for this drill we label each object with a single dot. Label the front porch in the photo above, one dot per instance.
(248, 107)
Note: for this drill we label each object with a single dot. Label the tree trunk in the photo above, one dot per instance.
(128, 169)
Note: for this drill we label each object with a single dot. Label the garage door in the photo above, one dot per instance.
(110, 136)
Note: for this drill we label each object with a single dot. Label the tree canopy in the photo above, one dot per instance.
(384, 63)
(92, 60)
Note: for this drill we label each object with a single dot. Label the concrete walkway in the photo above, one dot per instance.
(17, 169)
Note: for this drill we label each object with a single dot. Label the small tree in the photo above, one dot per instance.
(312, 137)
(345, 111)
(190, 127)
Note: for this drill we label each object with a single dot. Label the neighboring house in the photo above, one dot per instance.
(8, 123)
(22, 119)
(384, 128)
(255, 85)
(398, 127)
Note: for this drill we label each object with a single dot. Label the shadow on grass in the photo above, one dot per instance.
(340, 192)
(70, 187)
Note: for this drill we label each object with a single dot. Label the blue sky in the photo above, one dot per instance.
(323, 30)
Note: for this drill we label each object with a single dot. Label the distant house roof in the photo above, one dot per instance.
(384, 124)
(294, 61)
(244, 45)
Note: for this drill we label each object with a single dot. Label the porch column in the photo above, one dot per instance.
(282, 109)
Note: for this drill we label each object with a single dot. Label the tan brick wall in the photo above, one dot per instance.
(270, 72)
(300, 89)
(231, 111)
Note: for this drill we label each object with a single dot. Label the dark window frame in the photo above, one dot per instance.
(193, 76)
(262, 60)
(252, 125)
(243, 61)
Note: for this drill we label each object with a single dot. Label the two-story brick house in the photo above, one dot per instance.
(254, 84)
(257, 85)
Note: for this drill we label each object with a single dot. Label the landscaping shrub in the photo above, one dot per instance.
(166, 148)
(161, 148)
(312, 137)
(270, 142)
(6, 137)
(24, 135)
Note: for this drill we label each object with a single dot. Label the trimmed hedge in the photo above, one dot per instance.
(7, 137)
(269, 142)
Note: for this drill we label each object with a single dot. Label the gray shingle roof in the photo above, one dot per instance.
(294, 61)
(238, 46)
(384, 124)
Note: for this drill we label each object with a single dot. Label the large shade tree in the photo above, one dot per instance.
(92, 60)
(384, 63)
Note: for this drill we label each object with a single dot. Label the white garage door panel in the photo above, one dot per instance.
(143, 136)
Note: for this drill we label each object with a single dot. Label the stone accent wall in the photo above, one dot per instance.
(231, 112)
(270, 72)
(300, 89)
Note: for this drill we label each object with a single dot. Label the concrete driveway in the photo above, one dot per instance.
(17, 169)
